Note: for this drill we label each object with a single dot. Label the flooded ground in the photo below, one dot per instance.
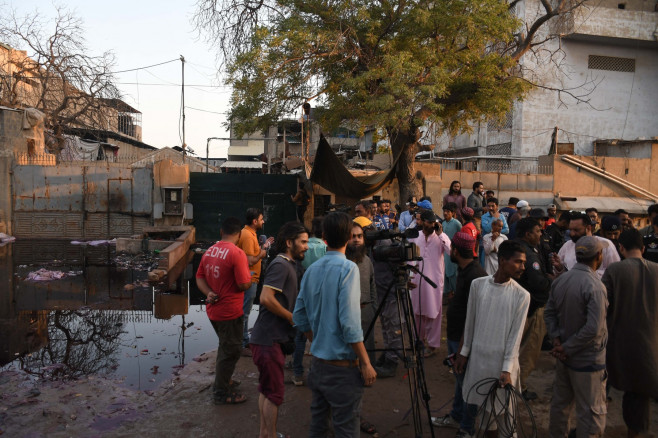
(102, 318)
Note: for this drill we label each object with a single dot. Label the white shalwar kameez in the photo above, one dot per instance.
(495, 318)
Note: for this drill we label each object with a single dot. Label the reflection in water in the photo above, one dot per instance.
(107, 321)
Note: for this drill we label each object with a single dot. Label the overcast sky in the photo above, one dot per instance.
(146, 32)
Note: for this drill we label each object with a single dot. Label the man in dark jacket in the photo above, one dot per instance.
(461, 253)
(536, 281)
(575, 322)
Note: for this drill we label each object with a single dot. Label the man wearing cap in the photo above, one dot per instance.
(579, 226)
(575, 321)
(461, 253)
(535, 280)
(426, 300)
(407, 216)
(611, 229)
(522, 209)
(470, 228)
(545, 245)
(632, 357)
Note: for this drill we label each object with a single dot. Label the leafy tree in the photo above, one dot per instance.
(395, 64)
(53, 71)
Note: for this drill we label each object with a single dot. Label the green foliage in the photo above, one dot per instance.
(393, 64)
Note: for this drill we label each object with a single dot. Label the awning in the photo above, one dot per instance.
(252, 149)
(243, 165)
(603, 204)
(330, 173)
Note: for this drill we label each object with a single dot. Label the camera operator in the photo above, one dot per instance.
(407, 217)
(427, 301)
(387, 363)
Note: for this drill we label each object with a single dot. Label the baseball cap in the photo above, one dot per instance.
(610, 223)
(362, 221)
(522, 204)
(427, 205)
(463, 240)
(588, 246)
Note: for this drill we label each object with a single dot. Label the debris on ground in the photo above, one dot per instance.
(94, 242)
(44, 274)
(139, 262)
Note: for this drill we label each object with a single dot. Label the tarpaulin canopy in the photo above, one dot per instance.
(329, 172)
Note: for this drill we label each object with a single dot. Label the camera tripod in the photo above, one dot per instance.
(412, 353)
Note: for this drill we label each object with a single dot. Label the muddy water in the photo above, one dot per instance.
(101, 318)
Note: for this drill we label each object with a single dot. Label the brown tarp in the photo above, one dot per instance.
(329, 171)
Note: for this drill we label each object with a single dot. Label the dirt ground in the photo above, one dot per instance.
(182, 407)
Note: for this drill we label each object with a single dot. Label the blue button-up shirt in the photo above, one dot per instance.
(328, 304)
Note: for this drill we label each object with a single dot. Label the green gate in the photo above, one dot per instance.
(216, 196)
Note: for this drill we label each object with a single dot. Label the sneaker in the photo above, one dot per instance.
(529, 395)
(298, 380)
(463, 434)
(445, 421)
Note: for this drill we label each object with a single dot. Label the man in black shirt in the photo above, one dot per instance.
(536, 281)
(274, 325)
(556, 231)
(461, 253)
(650, 241)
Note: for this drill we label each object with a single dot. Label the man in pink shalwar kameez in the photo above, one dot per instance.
(426, 300)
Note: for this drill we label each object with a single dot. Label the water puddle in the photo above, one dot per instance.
(101, 318)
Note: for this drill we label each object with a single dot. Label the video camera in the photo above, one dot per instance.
(401, 250)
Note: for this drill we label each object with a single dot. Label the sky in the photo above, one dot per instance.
(147, 32)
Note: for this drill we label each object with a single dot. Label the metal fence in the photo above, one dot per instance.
(27, 159)
(494, 164)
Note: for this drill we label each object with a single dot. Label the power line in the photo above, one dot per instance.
(205, 111)
(145, 67)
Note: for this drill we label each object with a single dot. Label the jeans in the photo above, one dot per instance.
(228, 353)
(336, 393)
(298, 355)
(249, 296)
(461, 412)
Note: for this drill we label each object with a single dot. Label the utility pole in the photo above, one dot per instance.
(182, 60)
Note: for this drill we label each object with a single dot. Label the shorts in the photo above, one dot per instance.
(269, 360)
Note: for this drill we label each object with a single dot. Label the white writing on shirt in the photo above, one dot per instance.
(218, 253)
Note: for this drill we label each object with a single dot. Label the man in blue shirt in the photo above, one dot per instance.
(328, 311)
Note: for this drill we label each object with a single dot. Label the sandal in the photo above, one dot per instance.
(232, 398)
(368, 428)
(431, 352)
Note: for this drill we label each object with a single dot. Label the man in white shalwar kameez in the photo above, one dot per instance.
(427, 301)
(497, 309)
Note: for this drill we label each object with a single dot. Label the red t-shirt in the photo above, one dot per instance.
(470, 229)
(224, 266)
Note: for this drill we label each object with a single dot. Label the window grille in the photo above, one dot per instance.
(497, 125)
(611, 63)
(500, 149)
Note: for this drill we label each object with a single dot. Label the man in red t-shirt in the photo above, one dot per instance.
(223, 276)
(470, 228)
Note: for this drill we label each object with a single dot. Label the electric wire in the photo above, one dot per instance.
(502, 407)
(145, 67)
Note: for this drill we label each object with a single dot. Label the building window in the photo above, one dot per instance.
(611, 63)
(498, 125)
(499, 149)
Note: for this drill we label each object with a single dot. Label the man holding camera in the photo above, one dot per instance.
(426, 300)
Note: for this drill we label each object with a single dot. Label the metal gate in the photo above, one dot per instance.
(81, 202)
(216, 196)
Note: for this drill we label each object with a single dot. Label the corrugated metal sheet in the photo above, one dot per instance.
(90, 202)
(603, 204)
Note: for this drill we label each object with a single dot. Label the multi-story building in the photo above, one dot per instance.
(597, 82)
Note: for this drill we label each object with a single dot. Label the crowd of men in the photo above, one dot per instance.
(514, 279)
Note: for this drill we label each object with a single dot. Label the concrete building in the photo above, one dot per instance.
(606, 56)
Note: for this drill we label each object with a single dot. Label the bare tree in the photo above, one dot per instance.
(53, 72)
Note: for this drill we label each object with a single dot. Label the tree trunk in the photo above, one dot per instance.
(405, 142)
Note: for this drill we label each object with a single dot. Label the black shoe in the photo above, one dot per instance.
(388, 369)
(529, 395)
